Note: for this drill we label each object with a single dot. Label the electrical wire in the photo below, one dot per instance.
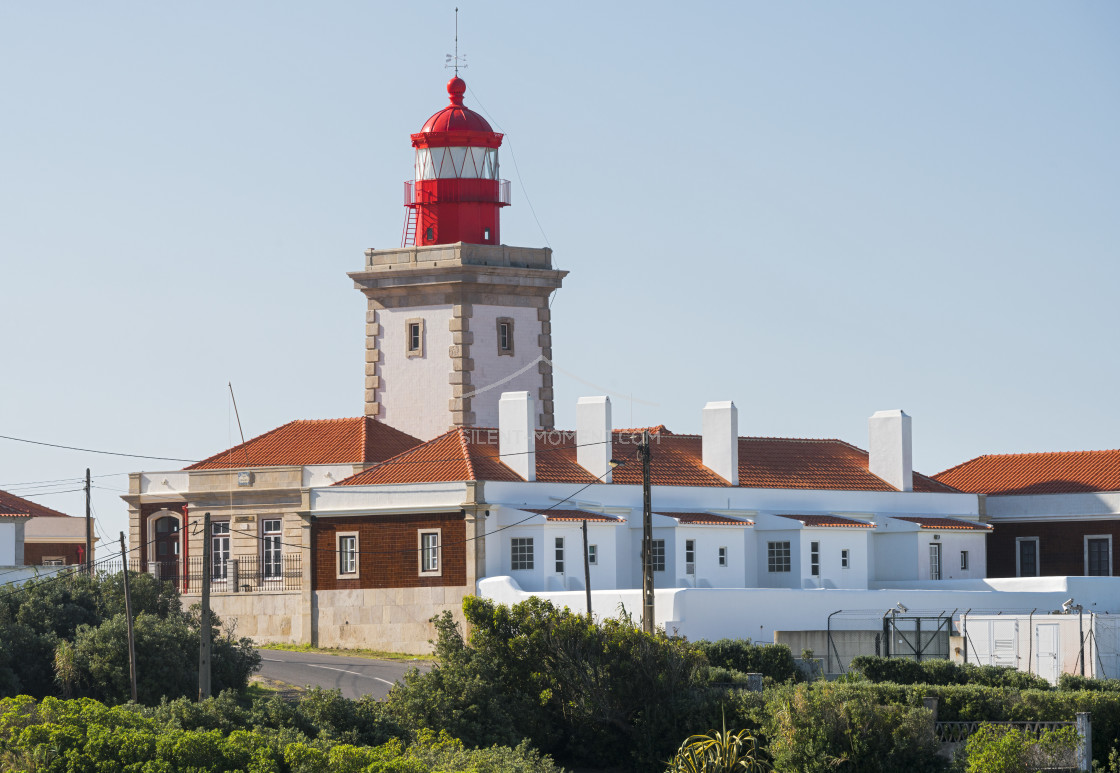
(95, 451)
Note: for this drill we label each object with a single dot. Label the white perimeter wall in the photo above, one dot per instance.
(415, 391)
(491, 370)
(756, 613)
(8, 544)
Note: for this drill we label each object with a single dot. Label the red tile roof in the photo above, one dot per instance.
(828, 520)
(1065, 472)
(575, 515)
(13, 506)
(472, 454)
(707, 519)
(942, 524)
(314, 441)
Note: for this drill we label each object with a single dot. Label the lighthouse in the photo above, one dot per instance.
(457, 194)
(454, 317)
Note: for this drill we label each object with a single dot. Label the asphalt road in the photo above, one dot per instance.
(354, 676)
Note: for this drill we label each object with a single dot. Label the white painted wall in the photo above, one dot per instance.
(1054, 506)
(790, 579)
(170, 482)
(702, 613)
(8, 544)
(492, 370)
(904, 554)
(708, 540)
(415, 391)
(326, 474)
(54, 529)
(832, 542)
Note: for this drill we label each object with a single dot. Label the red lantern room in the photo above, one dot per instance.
(457, 194)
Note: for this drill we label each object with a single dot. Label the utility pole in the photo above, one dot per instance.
(204, 628)
(89, 531)
(586, 570)
(128, 615)
(647, 537)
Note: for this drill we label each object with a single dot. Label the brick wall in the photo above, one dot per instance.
(33, 552)
(388, 551)
(1061, 546)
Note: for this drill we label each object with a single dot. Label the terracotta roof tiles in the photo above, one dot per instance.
(828, 520)
(14, 507)
(314, 441)
(707, 519)
(1063, 472)
(943, 524)
(575, 515)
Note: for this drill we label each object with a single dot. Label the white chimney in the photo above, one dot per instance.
(891, 453)
(593, 436)
(720, 428)
(517, 421)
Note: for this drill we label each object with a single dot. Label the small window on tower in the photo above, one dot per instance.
(429, 235)
(486, 235)
(505, 336)
(414, 337)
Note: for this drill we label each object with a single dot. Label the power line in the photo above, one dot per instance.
(95, 451)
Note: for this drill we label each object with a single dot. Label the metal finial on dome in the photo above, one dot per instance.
(456, 61)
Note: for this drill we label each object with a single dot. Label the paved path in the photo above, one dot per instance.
(354, 676)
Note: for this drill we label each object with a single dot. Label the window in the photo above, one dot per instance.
(505, 336)
(429, 552)
(723, 556)
(414, 337)
(844, 558)
(935, 561)
(486, 235)
(593, 554)
(348, 555)
(559, 555)
(657, 555)
(964, 560)
(271, 539)
(815, 559)
(1098, 555)
(1026, 556)
(690, 556)
(521, 553)
(777, 557)
(219, 549)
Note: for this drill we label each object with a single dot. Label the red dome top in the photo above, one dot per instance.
(455, 117)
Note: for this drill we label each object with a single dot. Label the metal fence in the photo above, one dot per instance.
(920, 636)
(237, 574)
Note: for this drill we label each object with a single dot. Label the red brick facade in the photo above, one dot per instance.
(1061, 546)
(70, 552)
(388, 551)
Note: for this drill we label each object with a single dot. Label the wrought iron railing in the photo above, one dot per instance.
(958, 732)
(236, 574)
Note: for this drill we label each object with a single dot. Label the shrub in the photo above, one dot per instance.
(996, 749)
(590, 694)
(944, 672)
(1076, 682)
(770, 660)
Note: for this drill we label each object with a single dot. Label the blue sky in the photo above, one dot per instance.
(818, 210)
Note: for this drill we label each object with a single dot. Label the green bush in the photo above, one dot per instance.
(589, 694)
(1003, 749)
(1076, 682)
(770, 660)
(944, 672)
(815, 728)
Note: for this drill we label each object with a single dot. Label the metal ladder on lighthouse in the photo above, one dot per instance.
(408, 237)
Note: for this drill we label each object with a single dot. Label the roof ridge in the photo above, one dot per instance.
(462, 435)
(32, 505)
(392, 459)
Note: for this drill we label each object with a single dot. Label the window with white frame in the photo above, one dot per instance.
(690, 556)
(844, 558)
(219, 549)
(271, 539)
(414, 337)
(815, 559)
(505, 336)
(1026, 557)
(657, 555)
(521, 553)
(1098, 555)
(429, 544)
(722, 556)
(54, 561)
(558, 547)
(347, 547)
(777, 557)
(935, 560)
(593, 554)
(964, 560)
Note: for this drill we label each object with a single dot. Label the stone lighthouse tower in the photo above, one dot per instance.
(454, 317)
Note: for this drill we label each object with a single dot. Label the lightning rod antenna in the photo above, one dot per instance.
(454, 60)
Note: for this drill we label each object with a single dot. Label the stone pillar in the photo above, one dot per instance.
(373, 361)
(462, 366)
(308, 626)
(1085, 736)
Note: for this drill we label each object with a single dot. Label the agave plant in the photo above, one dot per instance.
(719, 751)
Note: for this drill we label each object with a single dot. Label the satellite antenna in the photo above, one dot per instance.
(455, 60)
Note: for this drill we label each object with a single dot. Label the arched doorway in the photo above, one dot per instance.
(165, 545)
